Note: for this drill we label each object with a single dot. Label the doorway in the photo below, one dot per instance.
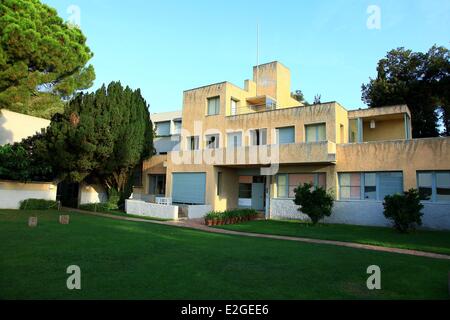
(67, 194)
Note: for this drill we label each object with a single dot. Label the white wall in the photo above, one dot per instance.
(92, 194)
(369, 213)
(16, 126)
(198, 211)
(12, 193)
(154, 210)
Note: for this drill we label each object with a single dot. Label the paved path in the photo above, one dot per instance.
(198, 224)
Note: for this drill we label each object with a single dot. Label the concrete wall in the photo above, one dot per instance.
(16, 126)
(370, 213)
(141, 208)
(11, 193)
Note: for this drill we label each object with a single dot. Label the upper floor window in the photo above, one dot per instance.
(234, 139)
(162, 128)
(258, 137)
(212, 141)
(315, 132)
(213, 106)
(369, 185)
(234, 107)
(287, 183)
(434, 185)
(193, 143)
(286, 135)
(177, 127)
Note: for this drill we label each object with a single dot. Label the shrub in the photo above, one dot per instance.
(404, 210)
(96, 207)
(38, 204)
(316, 203)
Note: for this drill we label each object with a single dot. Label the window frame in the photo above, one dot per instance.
(287, 186)
(216, 144)
(157, 125)
(196, 143)
(316, 131)
(217, 107)
(278, 134)
(433, 198)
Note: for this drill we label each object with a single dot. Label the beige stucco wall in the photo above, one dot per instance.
(16, 126)
(12, 192)
(384, 130)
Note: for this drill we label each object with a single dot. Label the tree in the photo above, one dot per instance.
(42, 59)
(315, 202)
(298, 95)
(420, 80)
(100, 137)
(404, 210)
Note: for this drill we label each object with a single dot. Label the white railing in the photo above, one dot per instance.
(164, 201)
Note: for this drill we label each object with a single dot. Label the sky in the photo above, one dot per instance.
(331, 47)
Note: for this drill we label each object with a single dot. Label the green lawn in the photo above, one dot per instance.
(135, 260)
(432, 241)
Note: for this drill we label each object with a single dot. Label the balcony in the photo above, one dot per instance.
(295, 153)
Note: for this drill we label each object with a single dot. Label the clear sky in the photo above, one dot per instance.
(165, 47)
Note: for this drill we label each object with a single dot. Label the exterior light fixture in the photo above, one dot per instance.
(372, 124)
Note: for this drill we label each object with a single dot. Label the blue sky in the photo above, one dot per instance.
(166, 46)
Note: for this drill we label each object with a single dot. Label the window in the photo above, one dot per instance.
(434, 185)
(258, 137)
(369, 185)
(212, 141)
(316, 132)
(157, 185)
(234, 139)
(353, 131)
(287, 183)
(245, 190)
(234, 107)
(193, 143)
(286, 135)
(177, 127)
(219, 183)
(213, 106)
(162, 128)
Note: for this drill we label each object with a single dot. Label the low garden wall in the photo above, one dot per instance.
(142, 208)
(370, 213)
(12, 192)
(198, 211)
(92, 194)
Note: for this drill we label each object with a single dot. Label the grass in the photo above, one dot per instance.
(431, 241)
(132, 260)
(124, 214)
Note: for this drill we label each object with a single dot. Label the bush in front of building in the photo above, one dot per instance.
(404, 210)
(315, 202)
(96, 207)
(38, 204)
(217, 218)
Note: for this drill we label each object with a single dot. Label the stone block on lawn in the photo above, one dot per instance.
(64, 219)
(32, 222)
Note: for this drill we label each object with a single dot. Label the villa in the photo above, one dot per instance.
(251, 147)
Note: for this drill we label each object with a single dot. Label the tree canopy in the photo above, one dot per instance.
(420, 80)
(42, 59)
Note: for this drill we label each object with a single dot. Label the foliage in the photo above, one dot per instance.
(315, 202)
(420, 80)
(96, 207)
(404, 210)
(38, 204)
(20, 162)
(42, 58)
(101, 137)
(298, 95)
(317, 99)
(236, 213)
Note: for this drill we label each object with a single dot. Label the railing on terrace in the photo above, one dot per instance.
(252, 108)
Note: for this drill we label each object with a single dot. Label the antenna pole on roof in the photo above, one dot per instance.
(257, 57)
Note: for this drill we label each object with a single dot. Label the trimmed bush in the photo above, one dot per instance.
(231, 216)
(404, 210)
(96, 207)
(315, 202)
(38, 204)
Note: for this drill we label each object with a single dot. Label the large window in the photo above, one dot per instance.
(157, 185)
(177, 127)
(234, 107)
(162, 128)
(258, 137)
(212, 141)
(287, 183)
(234, 139)
(434, 185)
(193, 143)
(316, 132)
(369, 185)
(286, 135)
(213, 106)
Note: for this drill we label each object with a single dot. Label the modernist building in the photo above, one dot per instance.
(252, 146)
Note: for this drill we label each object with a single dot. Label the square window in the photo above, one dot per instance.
(213, 106)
